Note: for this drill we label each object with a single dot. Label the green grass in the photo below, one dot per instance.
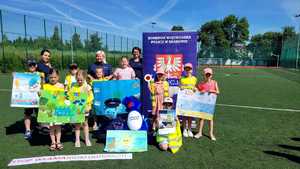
(246, 138)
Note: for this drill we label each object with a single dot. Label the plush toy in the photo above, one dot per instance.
(131, 103)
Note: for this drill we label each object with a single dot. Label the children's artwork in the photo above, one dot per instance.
(126, 141)
(55, 108)
(109, 96)
(167, 122)
(200, 105)
(25, 90)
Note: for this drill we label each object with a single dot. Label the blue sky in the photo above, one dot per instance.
(132, 17)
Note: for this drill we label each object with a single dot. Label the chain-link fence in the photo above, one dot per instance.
(24, 36)
(290, 53)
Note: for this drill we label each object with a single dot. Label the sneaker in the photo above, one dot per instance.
(77, 144)
(190, 134)
(88, 143)
(213, 138)
(198, 135)
(27, 135)
(185, 133)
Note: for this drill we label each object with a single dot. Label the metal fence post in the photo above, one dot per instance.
(114, 49)
(127, 50)
(25, 33)
(87, 46)
(2, 34)
(62, 46)
(121, 45)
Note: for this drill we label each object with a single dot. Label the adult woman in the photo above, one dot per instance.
(136, 62)
(44, 66)
(100, 62)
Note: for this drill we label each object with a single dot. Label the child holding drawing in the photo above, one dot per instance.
(172, 140)
(55, 128)
(159, 89)
(211, 86)
(83, 87)
(188, 82)
(32, 68)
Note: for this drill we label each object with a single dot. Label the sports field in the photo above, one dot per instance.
(247, 137)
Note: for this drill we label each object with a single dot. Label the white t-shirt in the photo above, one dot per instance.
(124, 73)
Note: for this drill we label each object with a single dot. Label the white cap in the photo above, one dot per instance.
(168, 100)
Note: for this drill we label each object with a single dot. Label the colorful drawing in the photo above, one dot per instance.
(25, 90)
(109, 96)
(200, 105)
(55, 108)
(167, 122)
(126, 141)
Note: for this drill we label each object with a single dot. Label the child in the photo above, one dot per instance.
(159, 89)
(55, 128)
(32, 68)
(210, 86)
(172, 141)
(71, 77)
(99, 77)
(125, 72)
(188, 82)
(82, 87)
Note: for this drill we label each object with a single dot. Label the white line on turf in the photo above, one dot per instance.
(259, 108)
(5, 90)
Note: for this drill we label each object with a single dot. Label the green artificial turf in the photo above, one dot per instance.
(246, 138)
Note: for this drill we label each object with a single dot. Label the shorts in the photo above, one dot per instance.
(30, 111)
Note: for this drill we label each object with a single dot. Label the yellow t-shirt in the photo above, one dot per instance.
(188, 82)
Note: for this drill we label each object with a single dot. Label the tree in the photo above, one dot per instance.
(288, 32)
(55, 39)
(94, 42)
(213, 39)
(76, 42)
(235, 29)
(266, 45)
(177, 28)
(220, 38)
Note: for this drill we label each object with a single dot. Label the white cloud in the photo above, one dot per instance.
(91, 14)
(166, 8)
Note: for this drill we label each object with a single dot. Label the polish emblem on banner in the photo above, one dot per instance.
(172, 64)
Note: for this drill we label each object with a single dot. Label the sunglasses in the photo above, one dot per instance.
(32, 65)
(188, 68)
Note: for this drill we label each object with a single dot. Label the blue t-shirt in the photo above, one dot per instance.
(107, 69)
(43, 68)
(137, 67)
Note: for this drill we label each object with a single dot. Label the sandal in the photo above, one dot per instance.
(52, 147)
(59, 146)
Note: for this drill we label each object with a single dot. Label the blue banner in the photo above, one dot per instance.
(126, 141)
(168, 51)
(109, 96)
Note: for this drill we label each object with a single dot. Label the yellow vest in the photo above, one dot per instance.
(174, 139)
(188, 82)
(152, 90)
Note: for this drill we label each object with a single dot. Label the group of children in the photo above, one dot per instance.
(76, 81)
(159, 93)
(79, 81)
